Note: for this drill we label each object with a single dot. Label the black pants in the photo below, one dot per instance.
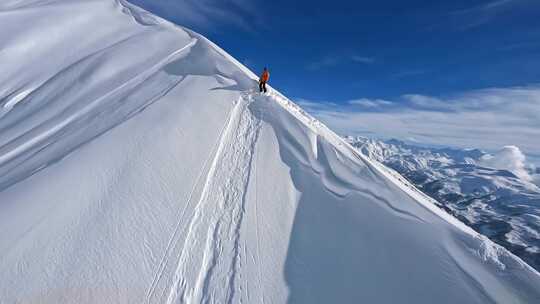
(262, 87)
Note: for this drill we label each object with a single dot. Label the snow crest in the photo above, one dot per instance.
(139, 165)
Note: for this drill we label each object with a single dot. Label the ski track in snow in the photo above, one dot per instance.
(219, 215)
(173, 241)
(214, 227)
(257, 234)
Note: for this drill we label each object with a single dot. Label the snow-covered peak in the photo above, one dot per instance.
(138, 164)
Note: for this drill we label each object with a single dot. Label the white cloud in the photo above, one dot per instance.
(487, 119)
(518, 101)
(508, 158)
(487, 7)
(370, 103)
(496, 4)
(485, 13)
(536, 179)
(208, 14)
(426, 102)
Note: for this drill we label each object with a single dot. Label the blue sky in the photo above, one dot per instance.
(381, 67)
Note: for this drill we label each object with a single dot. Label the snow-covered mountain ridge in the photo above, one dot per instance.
(137, 164)
(501, 204)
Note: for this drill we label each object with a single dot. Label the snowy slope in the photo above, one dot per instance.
(138, 165)
(501, 204)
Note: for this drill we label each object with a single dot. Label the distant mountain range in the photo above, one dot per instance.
(502, 204)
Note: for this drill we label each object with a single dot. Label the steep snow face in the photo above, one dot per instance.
(503, 205)
(138, 165)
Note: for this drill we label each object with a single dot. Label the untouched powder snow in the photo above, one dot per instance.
(138, 165)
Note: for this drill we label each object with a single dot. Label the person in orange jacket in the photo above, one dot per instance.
(263, 80)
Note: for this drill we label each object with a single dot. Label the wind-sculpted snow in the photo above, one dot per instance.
(100, 89)
(139, 165)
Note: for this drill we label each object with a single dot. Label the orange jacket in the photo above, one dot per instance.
(265, 76)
